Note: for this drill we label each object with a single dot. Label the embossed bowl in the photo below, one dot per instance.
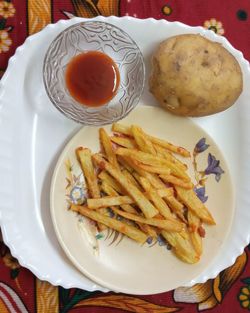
(106, 38)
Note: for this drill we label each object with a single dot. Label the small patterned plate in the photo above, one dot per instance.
(113, 260)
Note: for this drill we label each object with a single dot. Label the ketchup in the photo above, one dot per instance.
(92, 78)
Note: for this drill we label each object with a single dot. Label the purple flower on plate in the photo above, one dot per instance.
(200, 192)
(111, 213)
(201, 146)
(149, 240)
(214, 167)
(161, 240)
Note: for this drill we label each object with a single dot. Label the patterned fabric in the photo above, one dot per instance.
(20, 291)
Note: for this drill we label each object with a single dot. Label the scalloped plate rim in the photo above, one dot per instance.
(10, 242)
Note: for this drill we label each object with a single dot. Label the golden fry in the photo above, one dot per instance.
(145, 183)
(120, 200)
(105, 202)
(107, 146)
(111, 192)
(124, 142)
(175, 205)
(144, 204)
(152, 160)
(178, 150)
(176, 181)
(152, 169)
(84, 157)
(167, 224)
(128, 230)
(131, 178)
(127, 131)
(128, 208)
(182, 247)
(193, 203)
(194, 224)
(168, 156)
(120, 128)
(152, 178)
(142, 141)
(160, 203)
(104, 176)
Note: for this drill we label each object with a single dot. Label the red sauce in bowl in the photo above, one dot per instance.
(92, 78)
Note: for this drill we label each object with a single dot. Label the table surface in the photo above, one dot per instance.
(20, 290)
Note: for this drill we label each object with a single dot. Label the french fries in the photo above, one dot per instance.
(182, 247)
(145, 205)
(124, 142)
(194, 223)
(84, 157)
(193, 203)
(105, 202)
(107, 146)
(130, 231)
(104, 176)
(176, 181)
(149, 159)
(111, 192)
(170, 225)
(129, 209)
(147, 189)
(142, 141)
(127, 131)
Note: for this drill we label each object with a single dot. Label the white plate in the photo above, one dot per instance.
(33, 133)
(125, 266)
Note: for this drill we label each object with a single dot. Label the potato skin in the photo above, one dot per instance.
(193, 76)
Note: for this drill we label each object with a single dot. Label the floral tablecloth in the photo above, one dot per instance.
(20, 290)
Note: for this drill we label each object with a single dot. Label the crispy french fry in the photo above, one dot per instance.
(178, 150)
(152, 160)
(120, 128)
(193, 203)
(168, 156)
(144, 204)
(167, 224)
(116, 127)
(150, 230)
(176, 181)
(124, 142)
(105, 202)
(157, 183)
(145, 183)
(142, 141)
(120, 200)
(182, 247)
(125, 164)
(128, 208)
(152, 169)
(107, 145)
(152, 178)
(131, 178)
(194, 224)
(111, 192)
(128, 230)
(104, 176)
(174, 204)
(84, 157)
(161, 205)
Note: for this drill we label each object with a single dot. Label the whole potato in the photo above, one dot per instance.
(193, 76)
